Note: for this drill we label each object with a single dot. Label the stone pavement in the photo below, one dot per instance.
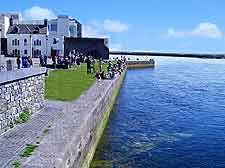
(49, 128)
(14, 141)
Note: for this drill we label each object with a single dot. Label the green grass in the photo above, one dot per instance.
(67, 85)
(24, 117)
(16, 164)
(28, 151)
(46, 131)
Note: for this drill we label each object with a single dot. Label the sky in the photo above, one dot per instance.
(185, 26)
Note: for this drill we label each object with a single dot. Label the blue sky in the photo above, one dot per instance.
(153, 25)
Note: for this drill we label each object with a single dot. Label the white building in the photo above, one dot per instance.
(27, 40)
(63, 26)
(35, 39)
(5, 21)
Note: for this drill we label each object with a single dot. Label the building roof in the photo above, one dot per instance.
(27, 29)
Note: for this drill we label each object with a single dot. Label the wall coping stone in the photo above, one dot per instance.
(10, 76)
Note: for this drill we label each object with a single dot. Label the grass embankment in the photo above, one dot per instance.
(67, 85)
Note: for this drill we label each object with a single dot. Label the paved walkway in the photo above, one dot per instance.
(56, 115)
(14, 141)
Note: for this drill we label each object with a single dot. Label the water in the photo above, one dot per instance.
(172, 116)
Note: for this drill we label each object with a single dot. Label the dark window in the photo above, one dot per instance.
(13, 43)
(54, 27)
(16, 52)
(25, 51)
(54, 41)
(25, 42)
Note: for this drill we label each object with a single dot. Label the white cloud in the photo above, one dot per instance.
(114, 26)
(92, 31)
(206, 29)
(89, 31)
(103, 28)
(38, 13)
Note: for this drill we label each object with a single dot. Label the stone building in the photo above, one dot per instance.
(46, 38)
(60, 28)
(5, 20)
(27, 39)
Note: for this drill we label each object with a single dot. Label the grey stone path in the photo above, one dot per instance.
(15, 140)
(65, 116)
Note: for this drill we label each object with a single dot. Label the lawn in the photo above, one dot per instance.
(67, 85)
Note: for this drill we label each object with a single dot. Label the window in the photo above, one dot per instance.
(72, 30)
(53, 27)
(15, 42)
(54, 41)
(37, 53)
(37, 42)
(25, 52)
(25, 42)
(16, 52)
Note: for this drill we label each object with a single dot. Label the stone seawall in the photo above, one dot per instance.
(20, 90)
(72, 140)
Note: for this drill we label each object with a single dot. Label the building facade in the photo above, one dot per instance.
(35, 38)
(60, 28)
(6, 20)
(27, 40)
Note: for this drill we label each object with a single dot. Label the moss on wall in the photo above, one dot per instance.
(102, 125)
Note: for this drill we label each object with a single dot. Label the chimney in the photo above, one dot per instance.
(46, 22)
(11, 21)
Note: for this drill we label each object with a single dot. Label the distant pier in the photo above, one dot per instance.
(188, 55)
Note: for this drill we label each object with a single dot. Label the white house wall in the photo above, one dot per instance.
(58, 46)
(29, 45)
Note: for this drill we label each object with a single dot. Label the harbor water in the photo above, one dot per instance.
(170, 116)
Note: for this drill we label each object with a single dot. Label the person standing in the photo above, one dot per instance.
(45, 59)
(78, 61)
(18, 62)
(88, 61)
(30, 61)
(41, 60)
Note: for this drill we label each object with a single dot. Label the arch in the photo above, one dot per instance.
(25, 42)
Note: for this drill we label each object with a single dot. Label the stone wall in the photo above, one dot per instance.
(73, 139)
(20, 90)
(97, 123)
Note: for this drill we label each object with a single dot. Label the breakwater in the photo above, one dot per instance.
(73, 137)
(20, 90)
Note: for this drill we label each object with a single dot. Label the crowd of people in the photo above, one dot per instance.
(24, 62)
(114, 67)
(68, 61)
